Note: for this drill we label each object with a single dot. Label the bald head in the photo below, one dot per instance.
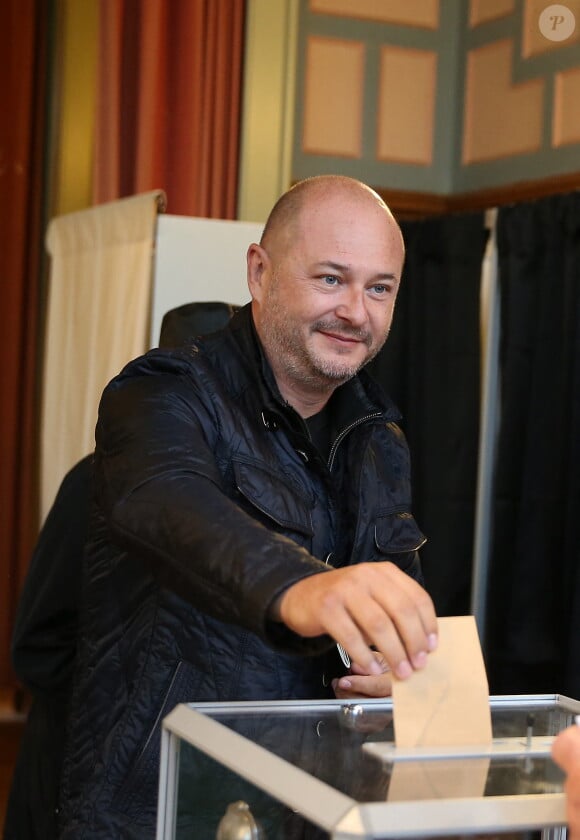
(284, 222)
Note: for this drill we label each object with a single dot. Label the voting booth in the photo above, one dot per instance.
(330, 769)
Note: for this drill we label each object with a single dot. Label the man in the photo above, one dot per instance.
(252, 504)
(566, 752)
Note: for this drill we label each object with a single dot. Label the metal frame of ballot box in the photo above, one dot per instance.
(210, 730)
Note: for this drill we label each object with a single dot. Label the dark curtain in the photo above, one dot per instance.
(430, 366)
(533, 615)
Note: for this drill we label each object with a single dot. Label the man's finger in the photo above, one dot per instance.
(411, 608)
(362, 686)
(380, 631)
(566, 748)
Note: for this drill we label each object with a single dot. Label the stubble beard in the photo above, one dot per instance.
(285, 342)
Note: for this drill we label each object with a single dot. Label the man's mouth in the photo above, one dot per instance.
(349, 339)
(345, 336)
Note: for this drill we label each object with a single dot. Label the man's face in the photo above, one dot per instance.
(326, 301)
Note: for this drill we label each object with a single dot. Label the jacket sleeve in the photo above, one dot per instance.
(162, 495)
(45, 631)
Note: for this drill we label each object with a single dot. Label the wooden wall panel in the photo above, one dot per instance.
(423, 13)
(333, 97)
(494, 106)
(534, 41)
(500, 118)
(407, 78)
(566, 122)
(482, 11)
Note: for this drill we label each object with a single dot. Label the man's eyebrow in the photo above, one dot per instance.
(344, 268)
(332, 265)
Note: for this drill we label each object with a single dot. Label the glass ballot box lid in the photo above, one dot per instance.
(330, 769)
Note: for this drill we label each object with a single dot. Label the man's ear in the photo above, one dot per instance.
(258, 263)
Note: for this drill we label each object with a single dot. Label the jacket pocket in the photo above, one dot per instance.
(397, 535)
(137, 796)
(278, 497)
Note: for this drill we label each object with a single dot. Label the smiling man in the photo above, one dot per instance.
(252, 514)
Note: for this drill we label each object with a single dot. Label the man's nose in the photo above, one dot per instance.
(352, 307)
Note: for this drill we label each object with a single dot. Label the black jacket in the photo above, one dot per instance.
(43, 653)
(210, 500)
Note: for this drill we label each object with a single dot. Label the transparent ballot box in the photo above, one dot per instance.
(330, 769)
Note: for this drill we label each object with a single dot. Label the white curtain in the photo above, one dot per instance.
(99, 303)
(489, 420)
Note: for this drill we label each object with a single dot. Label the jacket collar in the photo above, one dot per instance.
(359, 397)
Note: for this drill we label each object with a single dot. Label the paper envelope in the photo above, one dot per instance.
(454, 779)
(445, 704)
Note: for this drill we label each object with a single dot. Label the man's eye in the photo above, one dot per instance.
(330, 280)
(380, 289)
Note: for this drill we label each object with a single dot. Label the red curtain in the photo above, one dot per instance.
(168, 116)
(169, 95)
(23, 49)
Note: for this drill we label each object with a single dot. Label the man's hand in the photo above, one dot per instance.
(566, 753)
(359, 606)
(359, 683)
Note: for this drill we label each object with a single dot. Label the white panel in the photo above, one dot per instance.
(199, 260)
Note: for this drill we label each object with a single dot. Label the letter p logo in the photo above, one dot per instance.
(557, 22)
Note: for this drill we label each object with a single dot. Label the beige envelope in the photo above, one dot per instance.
(441, 779)
(445, 704)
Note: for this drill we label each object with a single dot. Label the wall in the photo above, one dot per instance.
(430, 97)
(267, 105)
(439, 96)
(373, 82)
(521, 118)
(70, 156)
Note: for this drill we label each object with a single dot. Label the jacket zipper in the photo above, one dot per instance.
(345, 432)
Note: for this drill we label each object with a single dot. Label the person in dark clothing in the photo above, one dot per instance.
(43, 654)
(44, 640)
(252, 511)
